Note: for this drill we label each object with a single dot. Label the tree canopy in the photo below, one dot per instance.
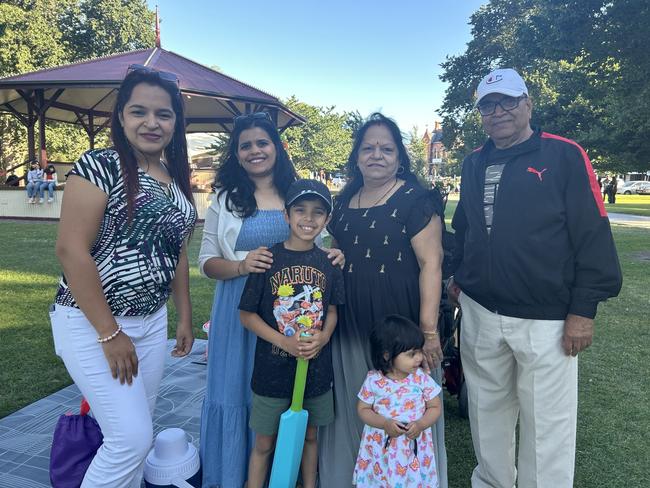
(585, 63)
(417, 151)
(37, 34)
(324, 141)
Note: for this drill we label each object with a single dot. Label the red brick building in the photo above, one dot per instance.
(436, 152)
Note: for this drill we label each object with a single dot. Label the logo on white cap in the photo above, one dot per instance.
(505, 81)
(493, 79)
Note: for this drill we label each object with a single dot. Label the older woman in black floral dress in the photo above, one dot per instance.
(389, 228)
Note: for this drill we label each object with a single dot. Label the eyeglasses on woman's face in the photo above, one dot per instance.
(488, 107)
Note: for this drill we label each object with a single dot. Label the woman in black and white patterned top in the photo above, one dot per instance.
(125, 217)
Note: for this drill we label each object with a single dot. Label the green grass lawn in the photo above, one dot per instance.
(625, 204)
(630, 204)
(614, 417)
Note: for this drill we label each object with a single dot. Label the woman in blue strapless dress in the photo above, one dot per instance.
(226, 440)
(244, 219)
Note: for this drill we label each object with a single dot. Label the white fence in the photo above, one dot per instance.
(14, 205)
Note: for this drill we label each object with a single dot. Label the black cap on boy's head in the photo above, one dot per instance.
(305, 188)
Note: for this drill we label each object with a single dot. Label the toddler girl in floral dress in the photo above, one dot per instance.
(399, 403)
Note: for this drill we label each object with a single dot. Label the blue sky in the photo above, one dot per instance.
(355, 54)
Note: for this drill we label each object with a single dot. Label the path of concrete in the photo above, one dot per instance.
(629, 220)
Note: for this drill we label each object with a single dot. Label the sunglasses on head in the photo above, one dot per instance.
(241, 119)
(163, 75)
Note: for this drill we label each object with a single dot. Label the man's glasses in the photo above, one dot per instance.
(242, 119)
(163, 75)
(506, 103)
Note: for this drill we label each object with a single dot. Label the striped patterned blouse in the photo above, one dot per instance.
(137, 261)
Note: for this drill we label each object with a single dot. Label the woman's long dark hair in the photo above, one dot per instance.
(233, 180)
(176, 150)
(355, 178)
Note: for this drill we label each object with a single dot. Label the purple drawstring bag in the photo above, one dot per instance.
(74, 445)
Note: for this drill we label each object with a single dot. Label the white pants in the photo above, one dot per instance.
(124, 412)
(516, 368)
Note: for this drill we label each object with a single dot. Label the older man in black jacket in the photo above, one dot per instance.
(534, 257)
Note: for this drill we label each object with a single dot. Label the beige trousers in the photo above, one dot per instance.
(516, 369)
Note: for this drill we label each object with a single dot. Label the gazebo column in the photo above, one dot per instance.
(94, 130)
(106, 124)
(31, 133)
(88, 127)
(91, 132)
(28, 121)
(41, 107)
(42, 154)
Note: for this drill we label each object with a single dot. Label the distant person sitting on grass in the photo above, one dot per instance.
(34, 181)
(49, 183)
(299, 292)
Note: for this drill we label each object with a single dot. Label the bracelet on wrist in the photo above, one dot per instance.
(239, 273)
(102, 340)
(430, 334)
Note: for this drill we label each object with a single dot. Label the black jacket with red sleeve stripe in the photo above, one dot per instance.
(550, 251)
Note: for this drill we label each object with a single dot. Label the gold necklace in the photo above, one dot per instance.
(165, 187)
(380, 198)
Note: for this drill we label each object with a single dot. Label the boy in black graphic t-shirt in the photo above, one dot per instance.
(299, 293)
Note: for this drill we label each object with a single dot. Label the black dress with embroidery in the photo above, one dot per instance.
(381, 271)
(381, 277)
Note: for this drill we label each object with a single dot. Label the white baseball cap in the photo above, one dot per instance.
(505, 81)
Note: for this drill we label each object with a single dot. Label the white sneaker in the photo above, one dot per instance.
(31, 200)
(41, 200)
(50, 200)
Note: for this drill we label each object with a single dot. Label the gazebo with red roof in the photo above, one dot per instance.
(83, 93)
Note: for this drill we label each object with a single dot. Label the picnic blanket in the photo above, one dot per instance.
(26, 435)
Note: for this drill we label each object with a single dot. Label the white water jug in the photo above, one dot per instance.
(172, 462)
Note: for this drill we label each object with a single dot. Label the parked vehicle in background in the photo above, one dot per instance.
(625, 189)
(338, 180)
(643, 189)
(634, 187)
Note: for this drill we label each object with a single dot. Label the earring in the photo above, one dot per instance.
(400, 170)
(172, 151)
